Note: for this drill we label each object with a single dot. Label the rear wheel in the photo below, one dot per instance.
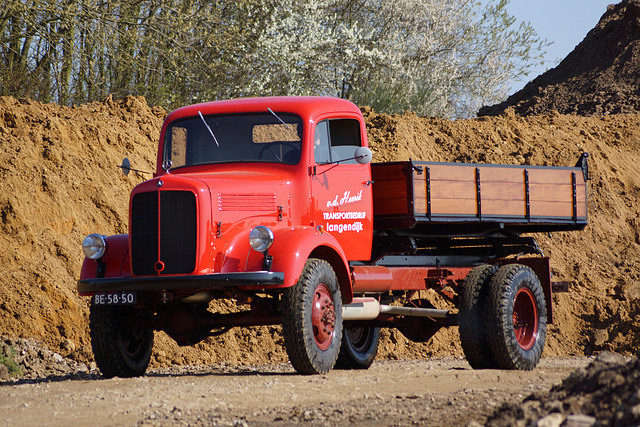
(516, 316)
(312, 319)
(359, 347)
(473, 336)
(121, 348)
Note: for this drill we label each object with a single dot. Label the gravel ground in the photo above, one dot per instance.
(40, 387)
(443, 391)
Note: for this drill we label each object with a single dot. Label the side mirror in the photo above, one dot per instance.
(363, 155)
(125, 166)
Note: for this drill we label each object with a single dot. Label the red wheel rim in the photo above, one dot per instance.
(323, 316)
(525, 318)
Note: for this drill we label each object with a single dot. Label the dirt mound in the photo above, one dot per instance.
(59, 182)
(607, 391)
(599, 77)
(25, 359)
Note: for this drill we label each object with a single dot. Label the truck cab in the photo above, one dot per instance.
(286, 164)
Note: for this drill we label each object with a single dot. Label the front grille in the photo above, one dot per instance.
(176, 215)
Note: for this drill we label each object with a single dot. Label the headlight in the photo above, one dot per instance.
(261, 238)
(94, 246)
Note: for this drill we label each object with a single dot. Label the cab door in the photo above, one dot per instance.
(341, 187)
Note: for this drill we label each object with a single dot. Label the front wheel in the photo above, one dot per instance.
(312, 319)
(516, 317)
(359, 347)
(121, 348)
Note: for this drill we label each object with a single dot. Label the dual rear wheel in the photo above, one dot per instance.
(503, 317)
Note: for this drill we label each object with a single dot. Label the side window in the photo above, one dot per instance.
(321, 148)
(337, 140)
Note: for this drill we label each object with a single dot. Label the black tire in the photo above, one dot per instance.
(516, 317)
(473, 335)
(312, 319)
(120, 348)
(359, 347)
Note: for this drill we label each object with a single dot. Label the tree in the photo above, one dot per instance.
(434, 57)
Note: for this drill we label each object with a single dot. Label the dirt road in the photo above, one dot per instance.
(425, 392)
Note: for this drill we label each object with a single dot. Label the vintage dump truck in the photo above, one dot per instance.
(273, 202)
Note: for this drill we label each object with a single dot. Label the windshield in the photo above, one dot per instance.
(269, 137)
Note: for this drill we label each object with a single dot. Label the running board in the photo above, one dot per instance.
(370, 308)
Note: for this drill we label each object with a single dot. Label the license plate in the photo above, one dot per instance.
(115, 298)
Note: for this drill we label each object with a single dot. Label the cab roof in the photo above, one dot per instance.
(307, 107)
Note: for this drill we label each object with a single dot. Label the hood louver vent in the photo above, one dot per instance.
(247, 202)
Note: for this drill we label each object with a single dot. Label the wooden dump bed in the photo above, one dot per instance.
(409, 195)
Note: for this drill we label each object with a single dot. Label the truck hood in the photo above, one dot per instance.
(255, 194)
(245, 190)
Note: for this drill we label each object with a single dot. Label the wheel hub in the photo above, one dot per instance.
(323, 316)
(525, 318)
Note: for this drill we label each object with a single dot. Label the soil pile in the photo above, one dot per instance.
(599, 77)
(59, 182)
(26, 359)
(606, 392)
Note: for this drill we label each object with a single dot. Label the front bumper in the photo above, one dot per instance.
(167, 283)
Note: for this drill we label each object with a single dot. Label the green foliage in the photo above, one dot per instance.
(436, 58)
(9, 362)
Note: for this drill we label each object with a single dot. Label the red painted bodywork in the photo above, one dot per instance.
(292, 200)
(314, 210)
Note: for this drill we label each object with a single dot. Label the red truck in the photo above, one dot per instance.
(273, 202)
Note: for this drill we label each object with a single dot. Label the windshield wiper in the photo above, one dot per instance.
(276, 116)
(207, 125)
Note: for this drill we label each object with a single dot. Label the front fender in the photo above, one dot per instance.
(114, 263)
(293, 246)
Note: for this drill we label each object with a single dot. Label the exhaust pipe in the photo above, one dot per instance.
(414, 311)
(369, 309)
(361, 309)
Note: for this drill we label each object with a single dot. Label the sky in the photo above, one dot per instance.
(563, 22)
